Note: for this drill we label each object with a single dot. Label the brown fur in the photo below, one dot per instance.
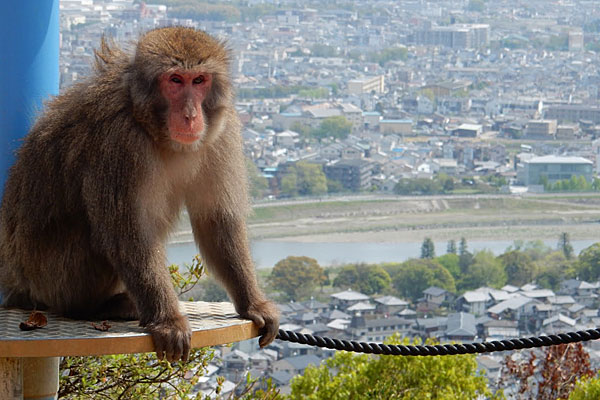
(98, 185)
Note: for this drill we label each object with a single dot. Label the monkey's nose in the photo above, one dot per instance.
(190, 114)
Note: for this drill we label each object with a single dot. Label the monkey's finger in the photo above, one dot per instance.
(265, 340)
(158, 345)
(262, 341)
(160, 352)
(186, 355)
(186, 347)
(178, 349)
(269, 332)
(170, 349)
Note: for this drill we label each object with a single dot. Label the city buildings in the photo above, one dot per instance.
(428, 89)
(550, 169)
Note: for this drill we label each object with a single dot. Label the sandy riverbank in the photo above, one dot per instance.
(405, 220)
(525, 233)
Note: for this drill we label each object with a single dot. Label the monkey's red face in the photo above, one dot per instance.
(185, 91)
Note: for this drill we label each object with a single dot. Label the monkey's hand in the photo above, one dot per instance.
(266, 316)
(172, 338)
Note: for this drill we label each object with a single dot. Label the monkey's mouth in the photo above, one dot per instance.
(185, 138)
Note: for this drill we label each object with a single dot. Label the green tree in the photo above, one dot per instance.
(335, 89)
(463, 247)
(364, 278)
(418, 186)
(535, 249)
(485, 270)
(323, 50)
(573, 184)
(302, 129)
(311, 179)
(464, 261)
(359, 376)
(451, 247)
(338, 127)
(259, 185)
(305, 179)
(564, 245)
(427, 248)
(588, 266)
(334, 186)
(415, 275)
(465, 257)
(213, 291)
(451, 262)
(543, 180)
(314, 93)
(586, 389)
(446, 182)
(289, 184)
(552, 269)
(296, 277)
(519, 267)
(583, 184)
(389, 54)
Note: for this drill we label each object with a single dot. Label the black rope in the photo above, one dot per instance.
(439, 349)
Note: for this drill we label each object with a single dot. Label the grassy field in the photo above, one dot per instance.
(477, 216)
(396, 218)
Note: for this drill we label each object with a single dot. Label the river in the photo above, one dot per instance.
(266, 253)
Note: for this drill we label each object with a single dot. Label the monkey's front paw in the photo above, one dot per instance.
(266, 316)
(172, 338)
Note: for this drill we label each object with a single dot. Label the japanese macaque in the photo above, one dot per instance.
(100, 180)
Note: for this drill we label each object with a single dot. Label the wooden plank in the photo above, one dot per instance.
(212, 324)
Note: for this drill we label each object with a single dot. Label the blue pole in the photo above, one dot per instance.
(29, 45)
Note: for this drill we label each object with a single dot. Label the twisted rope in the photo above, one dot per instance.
(440, 349)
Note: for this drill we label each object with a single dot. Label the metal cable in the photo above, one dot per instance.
(439, 349)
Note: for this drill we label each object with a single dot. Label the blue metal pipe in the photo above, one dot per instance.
(29, 43)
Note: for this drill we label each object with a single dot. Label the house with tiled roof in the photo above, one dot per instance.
(513, 308)
(295, 365)
(435, 295)
(558, 324)
(389, 305)
(347, 298)
(474, 302)
(460, 327)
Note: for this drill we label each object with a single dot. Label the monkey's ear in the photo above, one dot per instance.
(108, 53)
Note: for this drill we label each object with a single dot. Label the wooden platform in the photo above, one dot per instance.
(212, 324)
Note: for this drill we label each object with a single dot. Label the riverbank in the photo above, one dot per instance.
(395, 219)
(500, 233)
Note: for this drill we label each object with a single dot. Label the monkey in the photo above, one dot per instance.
(101, 179)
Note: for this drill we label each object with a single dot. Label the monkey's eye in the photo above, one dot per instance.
(176, 79)
(198, 80)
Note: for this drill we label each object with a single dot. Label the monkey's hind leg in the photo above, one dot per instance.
(119, 307)
(21, 300)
